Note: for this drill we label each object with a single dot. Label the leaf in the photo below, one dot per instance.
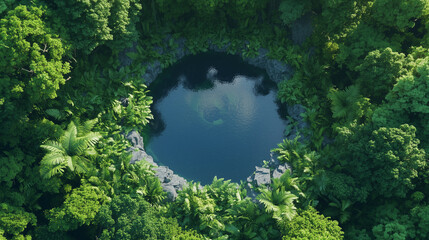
(55, 113)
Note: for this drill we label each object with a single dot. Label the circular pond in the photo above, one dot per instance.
(214, 116)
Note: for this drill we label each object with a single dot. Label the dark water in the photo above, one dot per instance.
(214, 116)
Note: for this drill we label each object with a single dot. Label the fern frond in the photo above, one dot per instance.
(53, 159)
(69, 137)
(53, 146)
(55, 113)
(344, 103)
(92, 138)
(80, 166)
(48, 172)
(86, 127)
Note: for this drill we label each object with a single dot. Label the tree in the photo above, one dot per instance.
(291, 10)
(408, 102)
(339, 17)
(31, 69)
(381, 162)
(79, 208)
(5, 4)
(359, 42)
(310, 225)
(134, 218)
(379, 72)
(14, 220)
(400, 14)
(88, 23)
(420, 216)
(70, 151)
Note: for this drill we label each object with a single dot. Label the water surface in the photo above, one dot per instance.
(214, 116)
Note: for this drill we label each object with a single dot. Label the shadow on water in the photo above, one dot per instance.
(209, 94)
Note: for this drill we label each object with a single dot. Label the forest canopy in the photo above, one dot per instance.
(359, 170)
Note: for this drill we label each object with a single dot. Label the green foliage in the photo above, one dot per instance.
(348, 104)
(340, 210)
(379, 72)
(381, 162)
(410, 90)
(309, 224)
(70, 151)
(134, 179)
(291, 10)
(420, 216)
(307, 175)
(371, 47)
(339, 17)
(88, 24)
(12, 163)
(391, 224)
(32, 67)
(224, 13)
(79, 208)
(407, 101)
(247, 221)
(14, 220)
(5, 5)
(194, 207)
(300, 89)
(136, 112)
(359, 42)
(134, 218)
(399, 14)
(221, 210)
(278, 201)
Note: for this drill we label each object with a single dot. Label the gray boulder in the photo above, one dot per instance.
(139, 155)
(178, 182)
(276, 70)
(170, 190)
(123, 58)
(181, 50)
(295, 112)
(152, 71)
(164, 174)
(217, 48)
(135, 139)
(278, 172)
(170, 182)
(260, 177)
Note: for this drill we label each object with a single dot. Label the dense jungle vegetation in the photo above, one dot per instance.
(363, 77)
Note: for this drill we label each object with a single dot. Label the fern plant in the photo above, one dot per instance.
(71, 151)
(344, 103)
(278, 202)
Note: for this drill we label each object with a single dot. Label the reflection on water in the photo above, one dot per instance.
(214, 116)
